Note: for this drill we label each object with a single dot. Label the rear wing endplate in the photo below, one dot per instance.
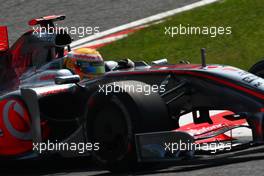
(4, 44)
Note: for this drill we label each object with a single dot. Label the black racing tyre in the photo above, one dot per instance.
(258, 69)
(113, 119)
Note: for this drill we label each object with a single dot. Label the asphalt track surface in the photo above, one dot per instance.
(242, 163)
(104, 14)
(108, 14)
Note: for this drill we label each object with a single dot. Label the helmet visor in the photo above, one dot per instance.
(95, 68)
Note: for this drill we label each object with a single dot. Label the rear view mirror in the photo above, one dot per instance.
(160, 62)
(63, 39)
(67, 79)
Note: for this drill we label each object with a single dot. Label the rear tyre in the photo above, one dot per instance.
(114, 119)
(258, 69)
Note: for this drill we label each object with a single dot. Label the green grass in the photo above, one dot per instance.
(242, 48)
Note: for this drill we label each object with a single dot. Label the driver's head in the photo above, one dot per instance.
(86, 62)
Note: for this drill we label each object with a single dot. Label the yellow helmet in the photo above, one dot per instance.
(86, 62)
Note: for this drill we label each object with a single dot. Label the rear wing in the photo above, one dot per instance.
(47, 20)
(4, 44)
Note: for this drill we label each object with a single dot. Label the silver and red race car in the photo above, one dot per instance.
(134, 113)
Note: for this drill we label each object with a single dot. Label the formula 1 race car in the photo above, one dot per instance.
(128, 115)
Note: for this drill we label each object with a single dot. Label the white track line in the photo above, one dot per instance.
(104, 40)
(143, 21)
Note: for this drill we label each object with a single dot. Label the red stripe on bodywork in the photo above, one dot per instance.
(227, 83)
(182, 72)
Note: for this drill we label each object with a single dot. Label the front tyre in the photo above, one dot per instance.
(114, 119)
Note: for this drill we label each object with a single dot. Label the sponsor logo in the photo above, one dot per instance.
(11, 107)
